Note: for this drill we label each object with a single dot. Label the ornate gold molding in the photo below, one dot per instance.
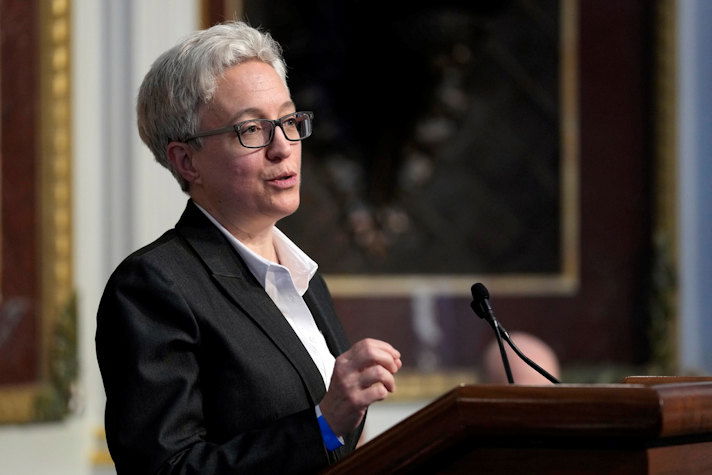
(663, 299)
(56, 170)
(419, 386)
(17, 403)
(49, 397)
(213, 11)
(57, 309)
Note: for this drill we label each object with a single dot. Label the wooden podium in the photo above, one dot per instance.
(647, 425)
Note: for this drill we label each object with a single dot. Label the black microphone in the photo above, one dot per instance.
(480, 304)
(483, 309)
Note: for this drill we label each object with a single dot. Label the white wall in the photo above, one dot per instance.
(695, 183)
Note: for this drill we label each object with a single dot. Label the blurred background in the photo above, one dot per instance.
(553, 150)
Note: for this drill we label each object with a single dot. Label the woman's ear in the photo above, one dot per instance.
(180, 154)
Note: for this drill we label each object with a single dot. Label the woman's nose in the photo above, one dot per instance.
(280, 148)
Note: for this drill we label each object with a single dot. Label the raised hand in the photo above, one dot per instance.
(362, 375)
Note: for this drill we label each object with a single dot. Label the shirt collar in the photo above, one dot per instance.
(300, 267)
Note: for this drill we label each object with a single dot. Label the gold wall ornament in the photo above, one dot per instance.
(218, 11)
(58, 306)
(48, 393)
(663, 303)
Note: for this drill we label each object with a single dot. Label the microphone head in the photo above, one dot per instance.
(480, 303)
(479, 292)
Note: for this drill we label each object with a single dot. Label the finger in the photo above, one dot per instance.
(377, 374)
(370, 355)
(398, 363)
(376, 392)
(387, 347)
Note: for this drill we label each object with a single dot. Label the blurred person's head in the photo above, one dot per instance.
(531, 346)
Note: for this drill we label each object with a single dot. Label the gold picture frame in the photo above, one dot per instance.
(566, 281)
(46, 388)
(600, 289)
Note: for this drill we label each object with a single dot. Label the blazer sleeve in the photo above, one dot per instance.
(148, 348)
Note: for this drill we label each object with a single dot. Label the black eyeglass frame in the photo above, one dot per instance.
(275, 123)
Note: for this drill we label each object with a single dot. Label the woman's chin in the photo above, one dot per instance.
(287, 207)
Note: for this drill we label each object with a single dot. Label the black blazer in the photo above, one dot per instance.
(202, 372)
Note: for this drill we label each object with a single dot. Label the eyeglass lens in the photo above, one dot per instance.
(259, 132)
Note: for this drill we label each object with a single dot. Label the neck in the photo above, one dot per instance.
(258, 237)
(262, 244)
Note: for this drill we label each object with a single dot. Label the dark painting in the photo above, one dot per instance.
(502, 141)
(437, 141)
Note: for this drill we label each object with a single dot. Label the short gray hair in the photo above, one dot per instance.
(185, 77)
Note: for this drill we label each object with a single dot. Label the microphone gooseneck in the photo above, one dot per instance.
(527, 360)
(480, 304)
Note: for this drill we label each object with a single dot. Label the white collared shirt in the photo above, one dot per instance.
(286, 285)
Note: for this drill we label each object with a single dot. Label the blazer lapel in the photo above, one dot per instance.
(234, 277)
(318, 300)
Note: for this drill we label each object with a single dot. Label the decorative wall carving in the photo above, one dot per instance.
(37, 318)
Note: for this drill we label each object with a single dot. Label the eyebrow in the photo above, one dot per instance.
(257, 112)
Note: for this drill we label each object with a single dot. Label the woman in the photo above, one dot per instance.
(218, 343)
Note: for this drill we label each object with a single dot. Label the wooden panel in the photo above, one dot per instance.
(654, 380)
(681, 459)
(598, 429)
(687, 408)
(524, 460)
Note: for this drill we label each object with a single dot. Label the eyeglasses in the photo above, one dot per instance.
(258, 133)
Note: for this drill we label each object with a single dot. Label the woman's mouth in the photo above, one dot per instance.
(287, 180)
